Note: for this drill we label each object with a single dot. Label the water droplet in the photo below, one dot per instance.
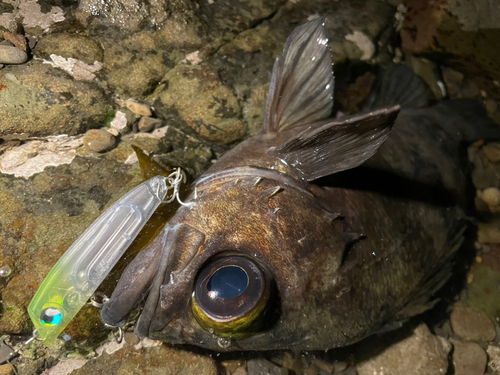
(327, 87)
(313, 58)
(224, 342)
(5, 271)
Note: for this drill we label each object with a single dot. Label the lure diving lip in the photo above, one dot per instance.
(82, 268)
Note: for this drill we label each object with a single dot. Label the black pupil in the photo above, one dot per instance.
(227, 282)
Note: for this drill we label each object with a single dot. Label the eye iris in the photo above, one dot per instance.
(51, 316)
(227, 282)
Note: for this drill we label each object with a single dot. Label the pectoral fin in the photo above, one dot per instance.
(338, 144)
(301, 89)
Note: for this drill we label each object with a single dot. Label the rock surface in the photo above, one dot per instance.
(41, 100)
(468, 359)
(12, 55)
(420, 354)
(471, 324)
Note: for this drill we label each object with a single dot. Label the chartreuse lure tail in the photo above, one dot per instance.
(82, 268)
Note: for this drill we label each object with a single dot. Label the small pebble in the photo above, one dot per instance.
(471, 324)
(113, 131)
(5, 271)
(12, 55)
(131, 338)
(99, 140)
(491, 196)
(484, 179)
(138, 108)
(146, 124)
(492, 151)
(468, 358)
(494, 355)
(490, 105)
(6, 369)
(240, 371)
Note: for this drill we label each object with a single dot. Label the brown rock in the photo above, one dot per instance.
(488, 233)
(142, 109)
(483, 179)
(6, 369)
(461, 33)
(18, 40)
(471, 324)
(99, 140)
(147, 124)
(491, 196)
(492, 151)
(468, 358)
(420, 354)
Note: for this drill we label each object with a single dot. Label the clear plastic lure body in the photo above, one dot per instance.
(83, 267)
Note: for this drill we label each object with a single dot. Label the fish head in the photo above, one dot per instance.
(240, 267)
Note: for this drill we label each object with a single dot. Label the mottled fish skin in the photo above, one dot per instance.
(346, 257)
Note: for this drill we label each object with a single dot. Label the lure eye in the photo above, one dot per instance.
(51, 316)
(230, 295)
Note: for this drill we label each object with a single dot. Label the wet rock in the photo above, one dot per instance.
(203, 102)
(471, 324)
(452, 31)
(422, 353)
(430, 74)
(135, 65)
(6, 370)
(156, 360)
(130, 14)
(492, 151)
(69, 45)
(146, 124)
(42, 100)
(263, 367)
(17, 40)
(494, 356)
(483, 179)
(99, 140)
(12, 55)
(491, 196)
(468, 359)
(142, 109)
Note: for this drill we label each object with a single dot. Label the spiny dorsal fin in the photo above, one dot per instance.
(301, 89)
(338, 144)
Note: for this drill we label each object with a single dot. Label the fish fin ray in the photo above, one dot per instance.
(338, 144)
(301, 89)
(397, 85)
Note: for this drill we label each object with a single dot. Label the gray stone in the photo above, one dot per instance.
(99, 140)
(483, 179)
(263, 367)
(146, 124)
(12, 55)
(420, 354)
(471, 324)
(468, 358)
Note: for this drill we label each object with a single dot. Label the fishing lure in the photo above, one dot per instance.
(83, 267)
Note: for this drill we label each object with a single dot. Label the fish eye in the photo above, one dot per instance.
(230, 295)
(51, 316)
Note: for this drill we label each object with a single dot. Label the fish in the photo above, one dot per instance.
(319, 231)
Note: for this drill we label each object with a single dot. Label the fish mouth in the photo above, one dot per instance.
(168, 294)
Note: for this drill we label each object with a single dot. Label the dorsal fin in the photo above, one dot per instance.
(301, 89)
(335, 145)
